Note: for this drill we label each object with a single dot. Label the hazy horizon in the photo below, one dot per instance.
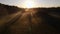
(37, 3)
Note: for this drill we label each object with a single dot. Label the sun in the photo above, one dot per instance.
(29, 4)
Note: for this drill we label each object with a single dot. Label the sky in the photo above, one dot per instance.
(36, 3)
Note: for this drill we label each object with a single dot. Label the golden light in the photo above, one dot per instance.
(29, 4)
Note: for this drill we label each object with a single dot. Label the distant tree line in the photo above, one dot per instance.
(8, 9)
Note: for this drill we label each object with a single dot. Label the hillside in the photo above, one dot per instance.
(6, 9)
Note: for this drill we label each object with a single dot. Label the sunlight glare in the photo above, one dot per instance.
(29, 4)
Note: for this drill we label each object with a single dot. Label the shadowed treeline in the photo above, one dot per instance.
(6, 9)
